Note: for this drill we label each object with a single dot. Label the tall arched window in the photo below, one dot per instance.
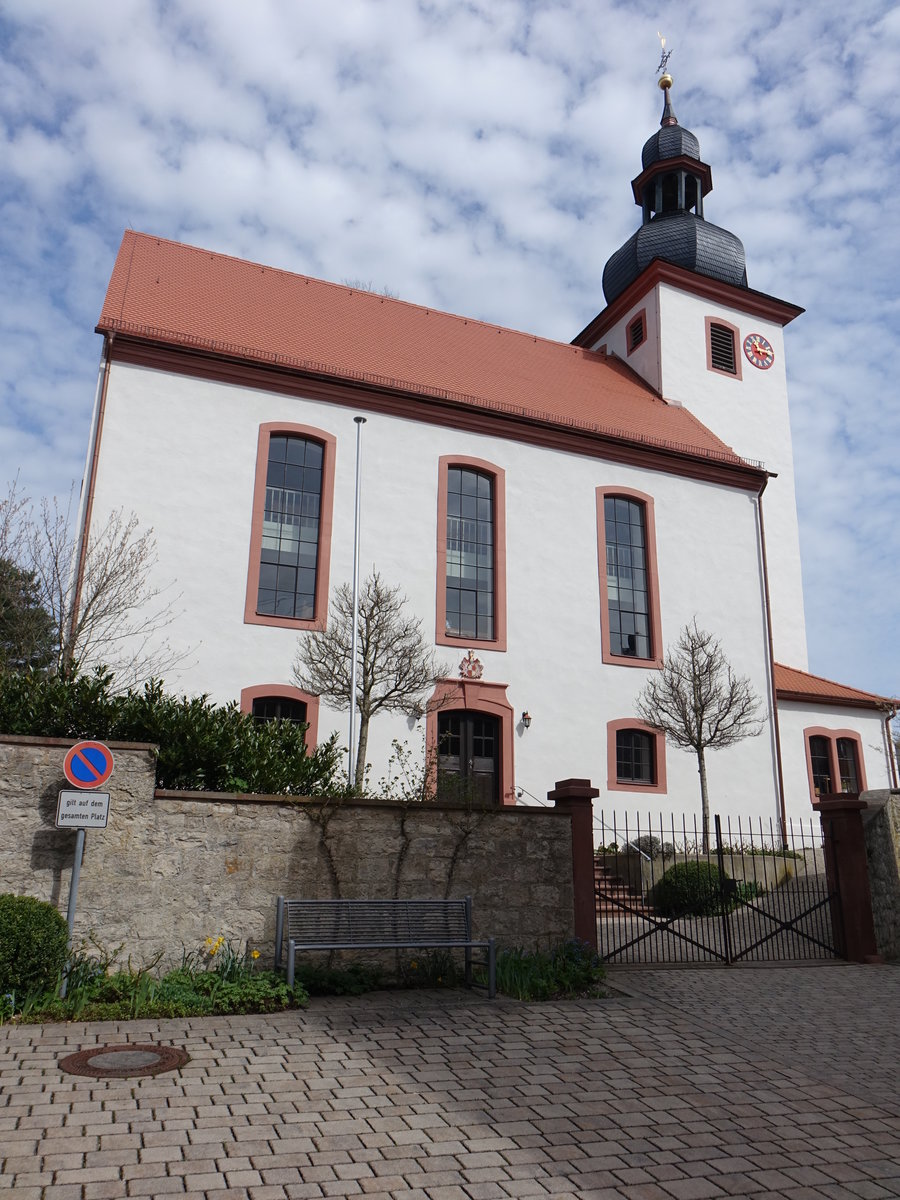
(291, 527)
(471, 554)
(630, 621)
(289, 553)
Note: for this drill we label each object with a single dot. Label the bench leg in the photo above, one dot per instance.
(290, 963)
(492, 969)
(279, 930)
(468, 966)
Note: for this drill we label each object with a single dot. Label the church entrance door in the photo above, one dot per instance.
(469, 757)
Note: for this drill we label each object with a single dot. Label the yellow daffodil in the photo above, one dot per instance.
(255, 954)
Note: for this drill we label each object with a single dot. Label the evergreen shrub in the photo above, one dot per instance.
(202, 746)
(689, 889)
(33, 942)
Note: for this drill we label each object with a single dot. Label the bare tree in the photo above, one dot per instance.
(699, 703)
(26, 628)
(394, 666)
(107, 609)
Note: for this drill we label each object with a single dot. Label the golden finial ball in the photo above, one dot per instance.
(665, 81)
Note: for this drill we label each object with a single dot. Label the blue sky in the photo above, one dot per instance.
(474, 157)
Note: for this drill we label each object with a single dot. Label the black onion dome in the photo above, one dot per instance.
(672, 141)
(682, 239)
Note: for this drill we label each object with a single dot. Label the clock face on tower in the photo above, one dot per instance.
(759, 351)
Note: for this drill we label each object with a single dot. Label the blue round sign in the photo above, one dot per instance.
(88, 764)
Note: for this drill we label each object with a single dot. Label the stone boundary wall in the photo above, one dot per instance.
(881, 827)
(175, 867)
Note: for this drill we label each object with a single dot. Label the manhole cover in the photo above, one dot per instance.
(117, 1062)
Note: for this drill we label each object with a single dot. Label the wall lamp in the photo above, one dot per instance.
(526, 719)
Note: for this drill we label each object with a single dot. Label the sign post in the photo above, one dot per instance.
(87, 765)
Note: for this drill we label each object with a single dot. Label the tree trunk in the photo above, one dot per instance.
(704, 799)
(359, 775)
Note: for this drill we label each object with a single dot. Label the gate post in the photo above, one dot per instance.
(575, 796)
(847, 872)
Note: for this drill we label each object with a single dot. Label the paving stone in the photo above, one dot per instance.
(668, 1092)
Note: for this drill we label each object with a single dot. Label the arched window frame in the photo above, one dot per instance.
(285, 692)
(625, 660)
(326, 509)
(831, 736)
(498, 475)
(454, 695)
(659, 785)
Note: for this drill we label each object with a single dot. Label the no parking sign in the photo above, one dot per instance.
(88, 765)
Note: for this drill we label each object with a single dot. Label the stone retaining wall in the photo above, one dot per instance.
(881, 826)
(175, 867)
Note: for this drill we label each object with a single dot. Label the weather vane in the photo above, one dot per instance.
(665, 55)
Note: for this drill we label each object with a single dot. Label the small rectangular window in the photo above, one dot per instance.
(636, 332)
(722, 354)
(634, 757)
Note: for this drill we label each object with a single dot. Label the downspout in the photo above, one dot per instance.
(779, 772)
(87, 488)
(892, 758)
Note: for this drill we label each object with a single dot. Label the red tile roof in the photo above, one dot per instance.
(791, 684)
(170, 294)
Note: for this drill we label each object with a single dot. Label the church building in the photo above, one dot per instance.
(555, 513)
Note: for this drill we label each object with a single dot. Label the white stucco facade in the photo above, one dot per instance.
(182, 452)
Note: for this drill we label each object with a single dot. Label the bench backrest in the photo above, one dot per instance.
(377, 922)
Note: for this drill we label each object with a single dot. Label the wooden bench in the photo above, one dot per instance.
(380, 925)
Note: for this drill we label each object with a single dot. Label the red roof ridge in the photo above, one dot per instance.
(843, 691)
(172, 294)
(428, 309)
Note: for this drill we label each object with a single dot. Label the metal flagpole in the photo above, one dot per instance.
(360, 421)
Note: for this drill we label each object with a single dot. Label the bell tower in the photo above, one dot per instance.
(670, 191)
(680, 312)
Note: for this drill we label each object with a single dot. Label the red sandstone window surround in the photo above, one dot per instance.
(630, 624)
(627, 765)
(834, 761)
(265, 691)
(290, 533)
(471, 554)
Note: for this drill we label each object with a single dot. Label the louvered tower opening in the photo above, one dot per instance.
(721, 349)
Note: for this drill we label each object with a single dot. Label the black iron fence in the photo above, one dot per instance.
(669, 891)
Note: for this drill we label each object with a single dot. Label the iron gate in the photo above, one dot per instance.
(737, 892)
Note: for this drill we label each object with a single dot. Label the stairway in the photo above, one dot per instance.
(611, 892)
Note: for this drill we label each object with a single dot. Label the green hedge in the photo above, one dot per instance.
(202, 746)
(33, 942)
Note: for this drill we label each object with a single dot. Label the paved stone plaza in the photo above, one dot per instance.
(682, 1085)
